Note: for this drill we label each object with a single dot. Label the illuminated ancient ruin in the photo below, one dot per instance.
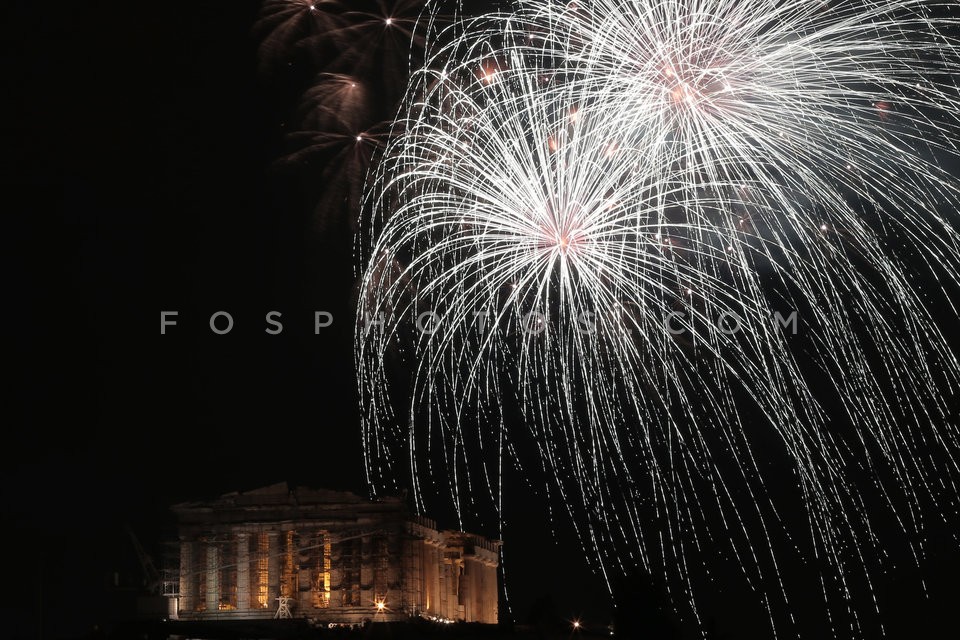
(329, 556)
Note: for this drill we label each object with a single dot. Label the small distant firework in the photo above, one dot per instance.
(357, 57)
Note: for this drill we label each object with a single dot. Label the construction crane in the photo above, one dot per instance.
(151, 577)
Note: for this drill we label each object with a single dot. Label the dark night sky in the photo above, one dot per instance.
(138, 181)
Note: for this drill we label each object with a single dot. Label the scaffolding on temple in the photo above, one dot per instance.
(328, 556)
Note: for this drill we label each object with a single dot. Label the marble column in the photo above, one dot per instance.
(186, 575)
(243, 571)
(213, 577)
(273, 575)
(492, 605)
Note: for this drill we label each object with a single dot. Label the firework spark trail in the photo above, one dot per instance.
(567, 175)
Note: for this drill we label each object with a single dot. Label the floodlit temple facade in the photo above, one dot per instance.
(329, 556)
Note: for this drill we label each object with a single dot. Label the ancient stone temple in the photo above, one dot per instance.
(329, 556)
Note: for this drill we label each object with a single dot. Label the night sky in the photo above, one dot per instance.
(140, 178)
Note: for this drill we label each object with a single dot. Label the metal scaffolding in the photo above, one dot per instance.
(239, 561)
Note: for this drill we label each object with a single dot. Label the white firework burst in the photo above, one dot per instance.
(582, 232)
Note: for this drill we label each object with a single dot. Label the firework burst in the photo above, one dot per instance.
(590, 234)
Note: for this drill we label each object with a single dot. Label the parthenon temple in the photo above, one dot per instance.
(329, 556)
